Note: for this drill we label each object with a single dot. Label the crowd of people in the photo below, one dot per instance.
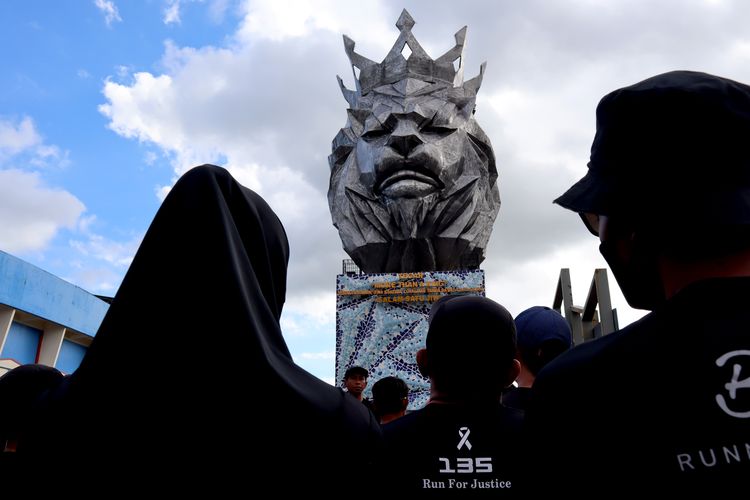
(662, 404)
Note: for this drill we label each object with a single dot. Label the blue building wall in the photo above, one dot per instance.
(27, 288)
(70, 356)
(22, 343)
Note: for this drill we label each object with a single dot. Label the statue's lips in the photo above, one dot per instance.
(408, 183)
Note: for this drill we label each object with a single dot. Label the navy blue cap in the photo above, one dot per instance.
(538, 324)
(673, 147)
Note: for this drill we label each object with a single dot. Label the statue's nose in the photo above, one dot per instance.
(404, 139)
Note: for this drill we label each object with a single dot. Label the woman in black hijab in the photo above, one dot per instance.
(189, 382)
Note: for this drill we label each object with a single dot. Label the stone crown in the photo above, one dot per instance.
(418, 65)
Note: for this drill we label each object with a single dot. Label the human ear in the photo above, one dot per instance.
(513, 371)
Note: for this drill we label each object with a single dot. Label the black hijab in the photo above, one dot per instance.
(189, 379)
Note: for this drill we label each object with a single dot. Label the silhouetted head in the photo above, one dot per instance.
(669, 174)
(543, 334)
(390, 395)
(355, 380)
(470, 348)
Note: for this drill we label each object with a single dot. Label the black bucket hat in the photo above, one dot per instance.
(674, 147)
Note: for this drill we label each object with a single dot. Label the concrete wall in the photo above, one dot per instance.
(44, 319)
(22, 343)
(27, 288)
(70, 357)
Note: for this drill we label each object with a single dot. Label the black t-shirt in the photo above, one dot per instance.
(369, 404)
(452, 450)
(516, 397)
(662, 405)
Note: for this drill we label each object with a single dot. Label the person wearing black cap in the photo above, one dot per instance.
(543, 334)
(463, 442)
(665, 402)
(355, 382)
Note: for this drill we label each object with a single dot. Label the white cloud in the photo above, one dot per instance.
(217, 10)
(50, 155)
(266, 105)
(172, 12)
(31, 213)
(290, 326)
(20, 142)
(150, 158)
(16, 137)
(162, 191)
(308, 314)
(280, 19)
(173, 8)
(95, 279)
(739, 52)
(85, 222)
(118, 253)
(325, 355)
(317, 309)
(123, 71)
(109, 9)
(98, 262)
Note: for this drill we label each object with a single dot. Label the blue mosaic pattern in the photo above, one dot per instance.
(385, 336)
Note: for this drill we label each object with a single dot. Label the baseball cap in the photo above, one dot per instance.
(538, 324)
(355, 370)
(469, 335)
(673, 147)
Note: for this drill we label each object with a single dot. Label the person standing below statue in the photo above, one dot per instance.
(543, 334)
(390, 398)
(664, 403)
(355, 382)
(464, 442)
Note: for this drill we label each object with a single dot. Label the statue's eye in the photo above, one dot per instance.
(436, 130)
(374, 134)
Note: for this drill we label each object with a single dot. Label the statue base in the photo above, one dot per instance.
(381, 322)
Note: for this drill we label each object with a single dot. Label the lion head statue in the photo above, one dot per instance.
(413, 177)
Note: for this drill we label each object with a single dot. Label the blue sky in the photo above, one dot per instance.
(57, 57)
(104, 103)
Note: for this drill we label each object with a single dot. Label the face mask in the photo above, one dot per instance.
(638, 277)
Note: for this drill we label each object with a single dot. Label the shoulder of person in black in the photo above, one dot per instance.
(639, 393)
(210, 274)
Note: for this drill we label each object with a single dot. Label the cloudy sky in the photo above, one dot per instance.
(104, 103)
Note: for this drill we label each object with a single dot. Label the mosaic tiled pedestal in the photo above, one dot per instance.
(381, 322)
